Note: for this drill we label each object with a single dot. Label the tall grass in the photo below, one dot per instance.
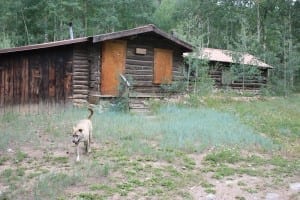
(50, 186)
(192, 129)
(180, 128)
(17, 128)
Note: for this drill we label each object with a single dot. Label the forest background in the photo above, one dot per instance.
(268, 29)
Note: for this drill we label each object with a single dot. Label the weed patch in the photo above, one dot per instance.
(52, 185)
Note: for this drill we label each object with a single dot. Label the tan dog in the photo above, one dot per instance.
(82, 132)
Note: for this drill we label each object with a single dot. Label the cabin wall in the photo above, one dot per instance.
(139, 68)
(34, 77)
(81, 73)
(217, 72)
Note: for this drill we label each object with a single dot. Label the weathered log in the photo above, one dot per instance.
(80, 78)
(80, 70)
(138, 67)
(80, 87)
(81, 62)
(139, 62)
(80, 91)
(81, 74)
(139, 72)
(80, 82)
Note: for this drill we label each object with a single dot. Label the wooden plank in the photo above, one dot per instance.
(84, 78)
(10, 83)
(163, 63)
(113, 64)
(138, 67)
(68, 85)
(81, 62)
(142, 77)
(35, 81)
(52, 88)
(81, 70)
(60, 75)
(139, 62)
(2, 87)
(139, 72)
(81, 91)
(85, 73)
(139, 57)
(24, 82)
(80, 87)
(80, 82)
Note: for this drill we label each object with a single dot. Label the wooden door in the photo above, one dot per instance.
(113, 64)
(163, 62)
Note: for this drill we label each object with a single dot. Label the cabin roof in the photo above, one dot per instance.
(103, 37)
(44, 45)
(150, 28)
(227, 56)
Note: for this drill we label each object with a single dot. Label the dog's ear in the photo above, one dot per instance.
(74, 128)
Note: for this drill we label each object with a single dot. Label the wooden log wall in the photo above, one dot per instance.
(34, 77)
(81, 73)
(249, 83)
(95, 60)
(139, 68)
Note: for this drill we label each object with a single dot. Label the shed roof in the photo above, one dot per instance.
(103, 37)
(227, 56)
(150, 28)
(43, 45)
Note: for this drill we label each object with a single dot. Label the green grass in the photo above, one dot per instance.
(153, 156)
(51, 185)
(174, 127)
(276, 117)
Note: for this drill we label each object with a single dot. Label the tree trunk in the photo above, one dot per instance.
(258, 21)
(25, 26)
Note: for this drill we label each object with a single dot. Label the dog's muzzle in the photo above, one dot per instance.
(76, 139)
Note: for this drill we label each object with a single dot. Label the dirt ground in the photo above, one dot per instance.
(44, 158)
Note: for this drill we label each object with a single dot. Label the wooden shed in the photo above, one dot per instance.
(73, 70)
(220, 62)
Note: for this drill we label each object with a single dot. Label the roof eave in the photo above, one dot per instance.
(44, 45)
(140, 30)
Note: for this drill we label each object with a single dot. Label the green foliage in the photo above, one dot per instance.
(226, 155)
(175, 87)
(5, 41)
(20, 156)
(89, 196)
(197, 75)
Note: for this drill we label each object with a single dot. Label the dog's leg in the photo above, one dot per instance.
(90, 141)
(86, 146)
(77, 152)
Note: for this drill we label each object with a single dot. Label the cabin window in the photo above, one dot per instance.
(163, 62)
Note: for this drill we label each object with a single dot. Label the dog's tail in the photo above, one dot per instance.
(91, 113)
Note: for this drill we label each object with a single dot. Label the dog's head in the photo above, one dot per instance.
(77, 135)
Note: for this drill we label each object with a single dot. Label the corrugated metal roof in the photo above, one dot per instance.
(221, 55)
(103, 37)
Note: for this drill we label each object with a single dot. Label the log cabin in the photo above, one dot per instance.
(221, 62)
(77, 69)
